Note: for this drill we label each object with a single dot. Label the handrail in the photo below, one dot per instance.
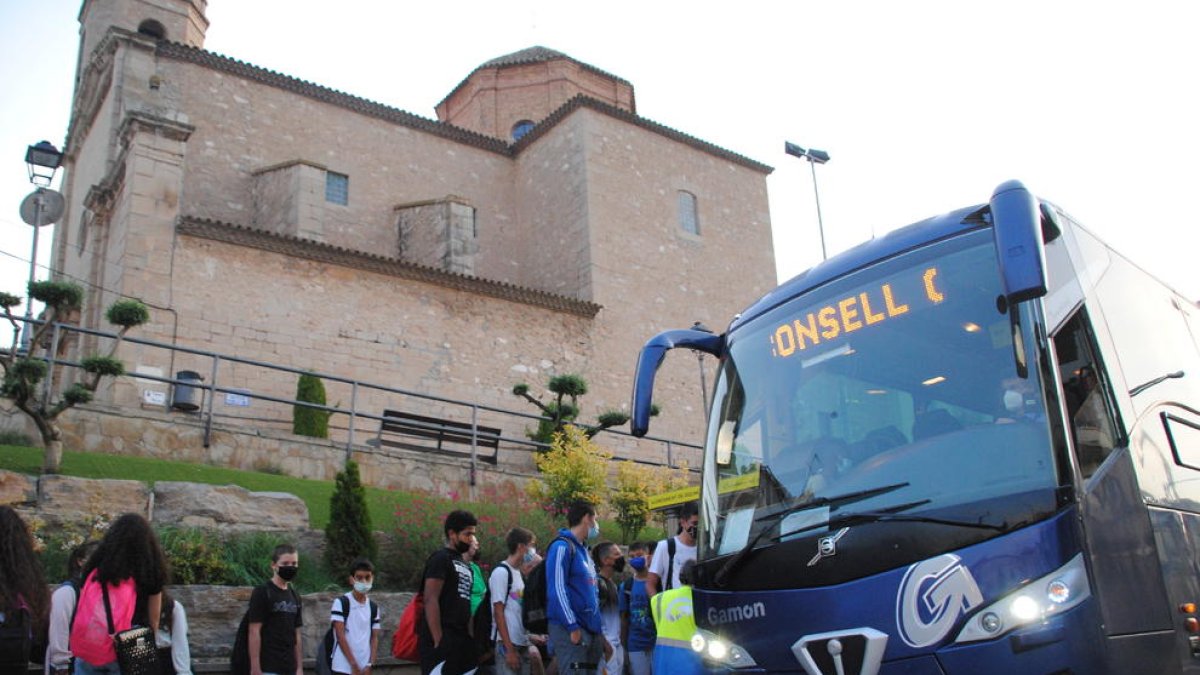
(213, 387)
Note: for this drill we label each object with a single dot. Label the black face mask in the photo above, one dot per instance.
(287, 572)
(692, 531)
(462, 546)
(619, 565)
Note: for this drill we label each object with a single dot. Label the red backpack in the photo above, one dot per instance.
(404, 642)
(90, 637)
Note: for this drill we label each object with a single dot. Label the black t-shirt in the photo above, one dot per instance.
(278, 611)
(455, 598)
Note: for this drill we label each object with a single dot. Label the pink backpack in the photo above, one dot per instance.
(90, 639)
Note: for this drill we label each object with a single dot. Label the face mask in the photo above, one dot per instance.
(529, 555)
(362, 586)
(691, 531)
(462, 546)
(594, 531)
(619, 565)
(638, 563)
(287, 572)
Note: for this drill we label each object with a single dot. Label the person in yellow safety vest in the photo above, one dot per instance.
(676, 624)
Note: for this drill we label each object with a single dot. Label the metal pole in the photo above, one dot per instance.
(353, 410)
(212, 393)
(474, 445)
(38, 204)
(703, 384)
(820, 224)
(670, 459)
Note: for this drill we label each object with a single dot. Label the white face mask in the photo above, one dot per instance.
(362, 586)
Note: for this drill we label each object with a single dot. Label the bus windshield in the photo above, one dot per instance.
(902, 375)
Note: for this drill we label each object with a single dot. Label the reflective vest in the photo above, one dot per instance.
(675, 623)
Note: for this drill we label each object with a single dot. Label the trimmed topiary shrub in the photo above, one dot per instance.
(312, 422)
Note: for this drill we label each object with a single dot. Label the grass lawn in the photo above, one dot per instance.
(315, 493)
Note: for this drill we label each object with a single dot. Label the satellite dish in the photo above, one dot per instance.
(53, 206)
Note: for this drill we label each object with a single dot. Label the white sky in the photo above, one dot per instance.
(924, 106)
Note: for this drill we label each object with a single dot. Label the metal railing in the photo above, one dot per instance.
(353, 414)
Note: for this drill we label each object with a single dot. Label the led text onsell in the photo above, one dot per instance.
(847, 315)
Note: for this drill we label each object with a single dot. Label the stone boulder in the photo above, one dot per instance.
(227, 507)
(17, 488)
(71, 499)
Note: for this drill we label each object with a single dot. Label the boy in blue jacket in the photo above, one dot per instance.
(572, 604)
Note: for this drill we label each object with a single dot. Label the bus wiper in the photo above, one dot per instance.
(838, 500)
(1158, 380)
(891, 514)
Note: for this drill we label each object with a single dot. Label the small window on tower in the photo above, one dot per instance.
(152, 28)
(688, 218)
(337, 188)
(521, 128)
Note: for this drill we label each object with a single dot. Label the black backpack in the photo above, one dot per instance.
(41, 643)
(668, 582)
(16, 640)
(533, 602)
(324, 665)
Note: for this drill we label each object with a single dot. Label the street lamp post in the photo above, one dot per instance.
(814, 157)
(42, 160)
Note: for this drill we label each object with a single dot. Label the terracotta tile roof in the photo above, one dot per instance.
(332, 96)
(307, 249)
(535, 54)
(448, 131)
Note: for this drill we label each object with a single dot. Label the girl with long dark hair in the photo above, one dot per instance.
(130, 567)
(24, 596)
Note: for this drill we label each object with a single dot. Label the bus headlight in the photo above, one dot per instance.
(719, 651)
(1040, 599)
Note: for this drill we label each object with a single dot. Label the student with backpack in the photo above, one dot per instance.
(637, 624)
(62, 611)
(122, 588)
(506, 590)
(356, 624)
(443, 637)
(572, 606)
(274, 619)
(672, 554)
(24, 596)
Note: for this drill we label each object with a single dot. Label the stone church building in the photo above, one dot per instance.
(537, 226)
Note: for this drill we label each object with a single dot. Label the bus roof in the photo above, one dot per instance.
(866, 253)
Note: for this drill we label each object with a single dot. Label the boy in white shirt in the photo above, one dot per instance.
(672, 554)
(506, 589)
(356, 623)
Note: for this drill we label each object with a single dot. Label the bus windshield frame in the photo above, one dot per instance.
(911, 372)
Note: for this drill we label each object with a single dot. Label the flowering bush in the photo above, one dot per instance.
(574, 467)
(419, 530)
(636, 484)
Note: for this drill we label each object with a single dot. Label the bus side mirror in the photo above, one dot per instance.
(1017, 228)
(651, 358)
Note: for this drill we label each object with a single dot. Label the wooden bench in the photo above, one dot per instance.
(443, 432)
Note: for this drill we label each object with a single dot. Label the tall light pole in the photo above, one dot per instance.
(814, 158)
(41, 207)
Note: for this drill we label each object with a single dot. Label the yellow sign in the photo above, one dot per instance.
(691, 494)
(847, 315)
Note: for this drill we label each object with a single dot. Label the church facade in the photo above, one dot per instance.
(537, 226)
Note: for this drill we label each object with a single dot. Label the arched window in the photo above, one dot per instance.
(688, 218)
(152, 28)
(521, 128)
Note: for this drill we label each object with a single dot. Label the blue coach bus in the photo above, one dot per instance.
(969, 446)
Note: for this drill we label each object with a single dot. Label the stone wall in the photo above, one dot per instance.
(57, 500)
